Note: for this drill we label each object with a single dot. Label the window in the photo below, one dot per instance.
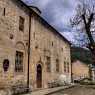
(64, 66)
(19, 62)
(34, 35)
(5, 65)
(4, 12)
(62, 49)
(21, 23)
(68, 67)
(52, 43)
(36, 47)
(57, 65)
(48, 64)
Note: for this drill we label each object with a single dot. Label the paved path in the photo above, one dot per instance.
(47, 91)
(77, 90)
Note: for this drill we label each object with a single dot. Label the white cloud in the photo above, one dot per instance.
(57, 13)
(69, 36)
(42, 3)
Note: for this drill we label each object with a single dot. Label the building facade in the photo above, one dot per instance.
(80, 70)
(48, 54)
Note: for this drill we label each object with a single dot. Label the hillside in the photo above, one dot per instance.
(81, 54)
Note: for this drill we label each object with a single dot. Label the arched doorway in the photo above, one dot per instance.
(39, 76)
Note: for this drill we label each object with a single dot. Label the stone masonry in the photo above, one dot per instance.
(45, 41)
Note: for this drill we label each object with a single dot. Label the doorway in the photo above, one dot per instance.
(39, 76)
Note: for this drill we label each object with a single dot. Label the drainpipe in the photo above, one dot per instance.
(71, 66)
(29, 41)
(71, 74)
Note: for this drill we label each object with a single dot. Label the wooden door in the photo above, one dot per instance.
(39, 76)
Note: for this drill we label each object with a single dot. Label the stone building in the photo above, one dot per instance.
(80, 70)
(25, 37)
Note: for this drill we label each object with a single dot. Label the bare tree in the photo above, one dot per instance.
(84, 21)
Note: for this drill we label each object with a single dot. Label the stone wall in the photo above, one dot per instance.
(80, 70)
(9, 26)
(44, 42)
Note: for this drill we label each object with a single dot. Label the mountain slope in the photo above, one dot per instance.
(78, 53)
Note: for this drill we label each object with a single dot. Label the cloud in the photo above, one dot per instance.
(69, 36)
(57, 13)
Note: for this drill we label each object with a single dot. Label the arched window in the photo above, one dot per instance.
(5, 65)
(57, 65)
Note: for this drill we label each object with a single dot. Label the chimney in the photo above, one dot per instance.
(36, 9)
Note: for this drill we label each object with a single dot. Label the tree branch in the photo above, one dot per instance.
(84, 19)
(90, 19)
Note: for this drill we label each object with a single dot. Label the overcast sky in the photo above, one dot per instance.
(57, 13)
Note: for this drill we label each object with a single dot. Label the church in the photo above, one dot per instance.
(30, 48)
